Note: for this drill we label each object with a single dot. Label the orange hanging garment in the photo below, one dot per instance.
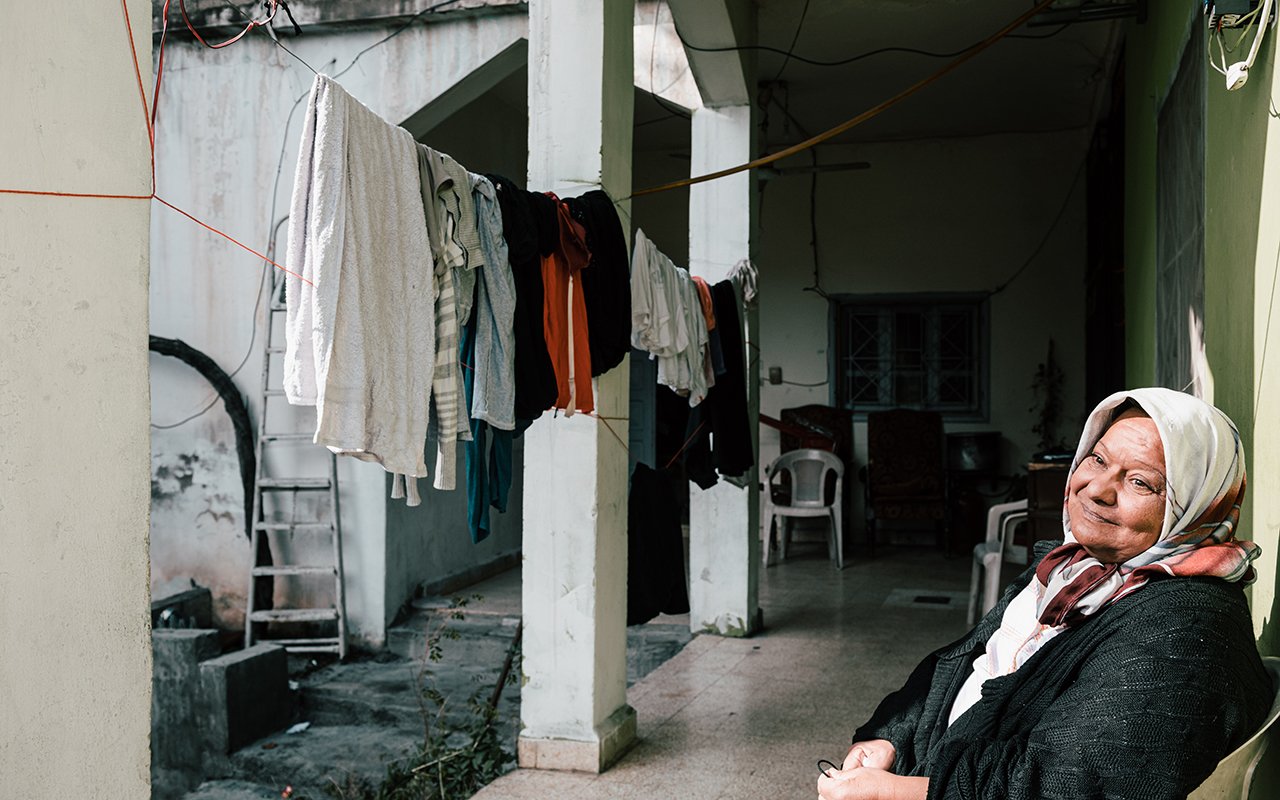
(564, 317)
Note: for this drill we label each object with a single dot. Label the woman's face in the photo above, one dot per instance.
(1115, 499)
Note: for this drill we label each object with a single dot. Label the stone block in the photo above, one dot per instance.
(188, 608)
(246, 696)
(176, 747)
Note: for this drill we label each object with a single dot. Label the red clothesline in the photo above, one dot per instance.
(148, 118)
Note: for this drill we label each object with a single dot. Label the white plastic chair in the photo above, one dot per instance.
(1234, 775)
(808, 470)
(988, 555)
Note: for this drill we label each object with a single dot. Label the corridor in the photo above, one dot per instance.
(749, 718)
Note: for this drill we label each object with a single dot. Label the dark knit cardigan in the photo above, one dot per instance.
(1140, 701)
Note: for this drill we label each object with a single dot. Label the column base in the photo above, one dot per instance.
(613, 738)
(733, 626)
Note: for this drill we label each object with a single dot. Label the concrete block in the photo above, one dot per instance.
(246, 697)
(176, 763)
(189, 608)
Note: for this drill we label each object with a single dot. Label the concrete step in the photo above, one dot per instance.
(236, 790)
(387, 692)
(310, 760)
(408, 639)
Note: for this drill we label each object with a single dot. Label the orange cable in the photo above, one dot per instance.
(605, 420)
(253, 23)
(155, 92)
(142, 92)
(685, 446)
(77, 194)
(233, 240)
(859, 119)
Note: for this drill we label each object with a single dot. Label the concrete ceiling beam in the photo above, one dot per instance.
(723, 78)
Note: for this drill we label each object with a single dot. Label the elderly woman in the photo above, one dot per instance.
(1123, 664)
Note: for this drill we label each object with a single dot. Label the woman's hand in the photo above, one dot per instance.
(875, 753)
(867, 783)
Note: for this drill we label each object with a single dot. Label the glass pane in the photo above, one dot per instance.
(908, 388)
(908, 340)
(954, 390)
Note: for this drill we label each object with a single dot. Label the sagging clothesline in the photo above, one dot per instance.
(405, 265)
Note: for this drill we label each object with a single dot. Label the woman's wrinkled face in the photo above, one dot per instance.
(1115, 499)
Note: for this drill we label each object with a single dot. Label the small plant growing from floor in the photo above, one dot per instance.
(453, 763)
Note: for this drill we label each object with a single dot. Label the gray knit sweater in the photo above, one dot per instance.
(1140, 701)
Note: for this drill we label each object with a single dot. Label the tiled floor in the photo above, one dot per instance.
(749, 718)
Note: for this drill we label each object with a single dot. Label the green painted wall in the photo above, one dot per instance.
(1242, 190)
(1152, 51)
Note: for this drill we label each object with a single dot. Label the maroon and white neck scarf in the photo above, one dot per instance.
(1205, 482)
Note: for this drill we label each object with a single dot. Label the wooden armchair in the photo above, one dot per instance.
(905, 478)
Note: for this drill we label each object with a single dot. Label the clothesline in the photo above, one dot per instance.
(525, 296)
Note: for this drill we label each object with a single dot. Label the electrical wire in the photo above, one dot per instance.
(404, 27)
(860, 118)
(253, 335)
(265, 30)
(272, 5)
(840, 62)
(806, 385)
(804, 12)
(790, 118)
(1066, 202)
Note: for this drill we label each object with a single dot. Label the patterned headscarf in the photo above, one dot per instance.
(1204, 486)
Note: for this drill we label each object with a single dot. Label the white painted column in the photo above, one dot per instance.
(724, 521)
(573, 702)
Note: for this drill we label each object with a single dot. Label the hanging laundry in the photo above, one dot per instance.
(468, 236)
(565, 314)
(363, 298)
(744, 276)
(606, 283)
(494, 363)
(723, 442)
(656, 582)
(531, 229)
(488, 475)
(657, 325)
(668, 322)
(715, 359)
(442, 204)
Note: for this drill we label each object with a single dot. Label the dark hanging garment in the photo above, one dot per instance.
(697, 457)
(656, 583)
(671, 427)
(607, 284)
(488, 472)
(720, 426)
(531, 228)
(730, 425)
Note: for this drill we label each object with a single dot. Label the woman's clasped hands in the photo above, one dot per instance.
(866, 775)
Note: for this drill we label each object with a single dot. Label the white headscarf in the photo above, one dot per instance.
(1204, 486)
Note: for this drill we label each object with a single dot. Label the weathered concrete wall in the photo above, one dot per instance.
(75, 666)
(226, 152)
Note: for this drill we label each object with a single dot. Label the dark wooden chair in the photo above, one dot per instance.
(905, 479)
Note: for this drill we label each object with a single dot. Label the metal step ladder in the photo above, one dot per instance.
(284, 526)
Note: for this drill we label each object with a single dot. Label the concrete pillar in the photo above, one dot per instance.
(724, 521)
(573, 702)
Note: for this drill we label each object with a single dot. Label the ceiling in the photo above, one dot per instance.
(1052, 82)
